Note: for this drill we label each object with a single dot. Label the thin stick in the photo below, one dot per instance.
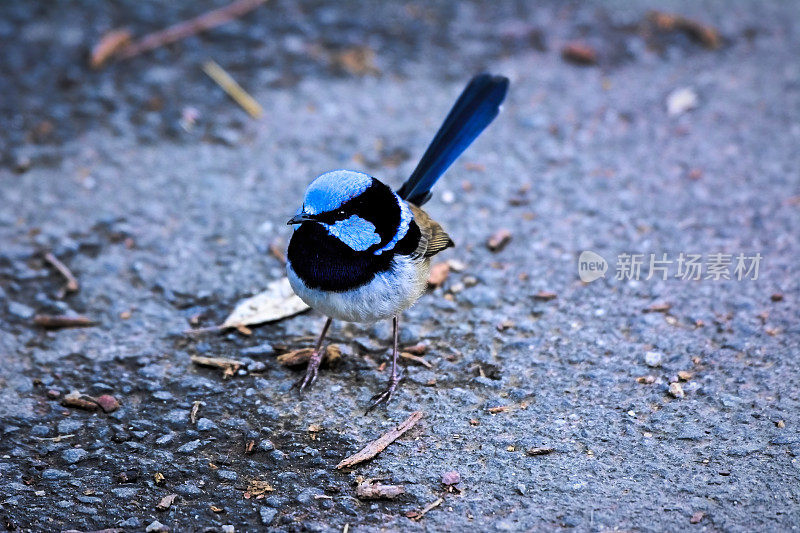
(234, 90)
(377, 446)
(63, 321)
(428, 507)
(416, 359)
(190, 27)
(72, 283)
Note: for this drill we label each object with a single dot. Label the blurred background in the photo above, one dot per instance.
(152, 151)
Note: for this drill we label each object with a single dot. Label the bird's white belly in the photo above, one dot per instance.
(386, 295)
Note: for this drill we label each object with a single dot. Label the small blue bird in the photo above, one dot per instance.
(361, 252)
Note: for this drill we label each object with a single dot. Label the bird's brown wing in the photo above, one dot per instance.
(434, 239)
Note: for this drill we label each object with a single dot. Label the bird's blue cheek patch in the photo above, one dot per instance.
(355, 232)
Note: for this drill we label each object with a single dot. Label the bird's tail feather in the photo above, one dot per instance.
(475, 109)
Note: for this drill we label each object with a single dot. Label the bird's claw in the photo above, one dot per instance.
(311, 372)
(385, 396)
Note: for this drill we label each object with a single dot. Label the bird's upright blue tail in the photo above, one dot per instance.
(475, 109)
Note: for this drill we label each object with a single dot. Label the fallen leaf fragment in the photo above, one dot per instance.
(276, 302)
(300, 357)
(539, 451)
(370, 489)
(229, 366)
(109, 45)
(257, 488)
(375, 447)
(438, 274)
(499, 240)
(579, 53)
(166, 502)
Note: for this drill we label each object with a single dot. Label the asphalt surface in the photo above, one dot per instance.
(167, 227)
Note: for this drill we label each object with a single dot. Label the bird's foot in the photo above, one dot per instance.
(386, 395)
(311, 371)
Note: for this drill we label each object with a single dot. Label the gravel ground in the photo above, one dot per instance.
(167, 229)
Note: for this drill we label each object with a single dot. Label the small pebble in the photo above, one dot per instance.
(451, 478)
(676, 390)
(653, 359)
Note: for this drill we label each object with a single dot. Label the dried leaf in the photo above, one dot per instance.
(275, 303)
(166, 502)
(301, 357)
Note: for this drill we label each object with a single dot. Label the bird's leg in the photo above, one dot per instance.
(315, 359)
(386, 395)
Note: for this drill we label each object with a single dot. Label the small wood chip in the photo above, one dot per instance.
(539, 451)
(646, 380)
(63, 321)
(417, 359)
(375, 447)
(660, 307)
(229, 366)
(300, 357)
(499, 409)
(438, 274)
(579, 53)
(166, 502)
(545, 296)
(684, 375)
(370, 489)
(499, 240)
(217, 509)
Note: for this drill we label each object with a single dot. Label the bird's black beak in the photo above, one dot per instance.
(299, 219)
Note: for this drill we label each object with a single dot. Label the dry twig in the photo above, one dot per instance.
(72, 283)
(63, 321)
(416, 359)
(190, 27)
(377, 446)
(234, 90)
